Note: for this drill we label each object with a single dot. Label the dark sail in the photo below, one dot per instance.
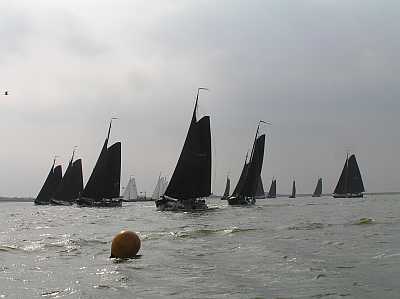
(113, 171)
(50, 185)
(57, 176)
(102, 188)
(240, 184)
(77, 178)
(227, 187)
(293, 195)
(255, 167)
(341, 187)
(94, 186)
(355, 183)
(44, 193)
(192, 174)
(318, 188)
(272, 189)
(350, 183)
(260, 189)
(71, 184)
(65, 185)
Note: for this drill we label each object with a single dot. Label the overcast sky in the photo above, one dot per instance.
(324, 72)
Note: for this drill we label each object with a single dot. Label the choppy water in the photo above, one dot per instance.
(301, 248)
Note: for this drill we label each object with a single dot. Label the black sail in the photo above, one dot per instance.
(77, 178)
(227, 187)
(255, 167)
(57, 178)
(240, 184)
(47, 190)
(95, 185)
(355, 183)
(341, 187)
(192, 174)
(272, 189)
(260, 188)
(63, 189)
(318, 188)
(113, 171)
(71, 184)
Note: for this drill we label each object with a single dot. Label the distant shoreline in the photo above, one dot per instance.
(330, 194)
(16, 199)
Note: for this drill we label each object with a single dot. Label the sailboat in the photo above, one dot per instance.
(318, 189)
(103, 186)
(293, 195)
(160, 188)
(191, 180)
(227, 189)
(272, 189)
(130, 192)
(50, 185)
(260, 193)
(350, 183)
(71, 184)
(246, 188)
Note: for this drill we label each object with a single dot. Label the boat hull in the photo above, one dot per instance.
(104, 202)
(348, 195)
(57, 202)
(170, 204)
(41, 203)
(139, 199)
(241, 201)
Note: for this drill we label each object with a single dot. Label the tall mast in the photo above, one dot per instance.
(197, 100)
(159, 184)
(54, 160)
(109, 128)
(245, 159)
(73, 153)
(254, 143)
(255, 138)
(346, 183)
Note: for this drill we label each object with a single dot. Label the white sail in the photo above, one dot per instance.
(164, 185)
(160, 188)
(156, 192)
(130, 192)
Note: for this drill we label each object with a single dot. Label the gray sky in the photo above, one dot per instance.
(325, 73)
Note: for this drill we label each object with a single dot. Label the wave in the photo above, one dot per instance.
(385, 255)
(363, 221)
(308, 226)
(51, 293)
(63, 245)
(197, 233)
(9, 248)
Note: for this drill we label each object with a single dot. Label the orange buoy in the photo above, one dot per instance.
(125, 244)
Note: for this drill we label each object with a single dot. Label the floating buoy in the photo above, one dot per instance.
(125, 244)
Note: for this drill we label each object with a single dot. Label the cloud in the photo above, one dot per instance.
(323, 72)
